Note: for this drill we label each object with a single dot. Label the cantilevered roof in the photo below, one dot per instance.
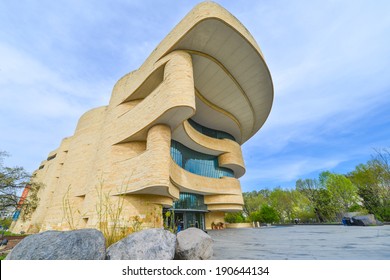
(230, 77)
(233, 86)
(230, 74)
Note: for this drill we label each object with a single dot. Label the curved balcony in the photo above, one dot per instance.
(219, 194)
(198, 163)
(189, 182)
(149, 171)
(171, 102)
(228, 151)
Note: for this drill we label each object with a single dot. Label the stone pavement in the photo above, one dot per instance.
(303, 242)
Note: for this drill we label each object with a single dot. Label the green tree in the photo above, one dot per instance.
(234, 217)
(254, 200)
(320, 198)
(289, 204)
(6, 222)
(268, 214)
(324, 206)
(343, 192)
(12, 181)
(308, 187)
(283, 202)
(373, 184)
(302, 209)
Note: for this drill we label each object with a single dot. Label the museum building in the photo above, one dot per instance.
(170, 137)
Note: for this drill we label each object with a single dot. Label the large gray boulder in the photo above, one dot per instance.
(193, 244)
(365, 220)
(148, 244)
(83, 244)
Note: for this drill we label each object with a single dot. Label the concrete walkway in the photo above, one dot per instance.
(301, 242)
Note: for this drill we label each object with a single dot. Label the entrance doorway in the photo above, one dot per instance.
(189, 211)
(191, 219)
(187, 218)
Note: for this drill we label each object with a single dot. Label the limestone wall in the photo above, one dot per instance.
(119, 155)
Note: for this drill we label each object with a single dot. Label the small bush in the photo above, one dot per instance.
(266, 214)
(6, 222)
(236, 217)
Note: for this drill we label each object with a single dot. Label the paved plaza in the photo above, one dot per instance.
(303, 242)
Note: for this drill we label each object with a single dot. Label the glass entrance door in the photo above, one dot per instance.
(189, 211)
(186, 219)
(194, 219)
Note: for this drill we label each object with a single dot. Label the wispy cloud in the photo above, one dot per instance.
(286, 172)
(329, 62)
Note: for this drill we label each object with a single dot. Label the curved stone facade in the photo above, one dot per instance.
(209, 70)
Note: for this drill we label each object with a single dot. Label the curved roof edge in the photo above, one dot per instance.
(179, 34)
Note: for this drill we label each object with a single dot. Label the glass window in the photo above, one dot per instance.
(190, 201)
(198, 163)
(210, 132)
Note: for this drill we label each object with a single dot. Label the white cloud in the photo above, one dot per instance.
(331, 74)
(36, 90)
(332, 77)
(289, 169)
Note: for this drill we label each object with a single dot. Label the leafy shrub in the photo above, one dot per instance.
(236, 217)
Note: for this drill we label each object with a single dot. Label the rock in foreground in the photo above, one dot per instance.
(193, 244)
(366, 220)
(148, 244)
(83, 244)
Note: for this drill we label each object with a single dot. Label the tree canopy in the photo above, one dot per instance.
(372, 181)
(12, 182)
(326, 198)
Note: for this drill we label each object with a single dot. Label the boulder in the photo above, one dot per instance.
(193, 244)
(148, 244)
(83, 244)
(365, 220)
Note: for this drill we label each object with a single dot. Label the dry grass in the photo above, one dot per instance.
(111, 221)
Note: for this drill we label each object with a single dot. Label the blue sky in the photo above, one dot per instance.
(330, 63)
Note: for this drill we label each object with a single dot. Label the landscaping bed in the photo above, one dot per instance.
(12, 241)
